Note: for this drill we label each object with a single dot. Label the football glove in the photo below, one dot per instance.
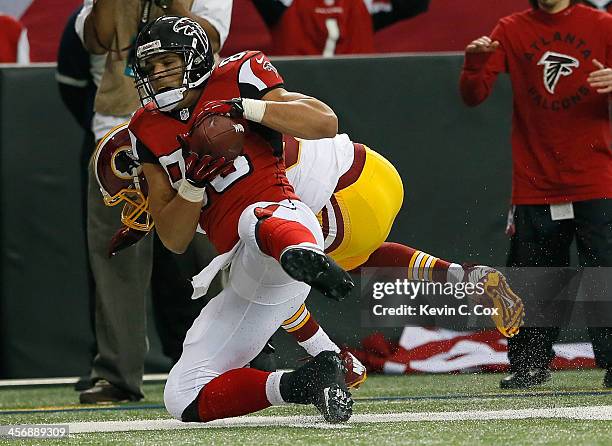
(200, 170)
(251, 109)
(231, 107)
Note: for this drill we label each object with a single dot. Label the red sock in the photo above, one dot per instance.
(421, 265)
(302, 326)
(275, 234)
(234, 393)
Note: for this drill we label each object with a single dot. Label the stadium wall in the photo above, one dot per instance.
(455, 163)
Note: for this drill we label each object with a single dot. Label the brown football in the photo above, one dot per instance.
(218, 135)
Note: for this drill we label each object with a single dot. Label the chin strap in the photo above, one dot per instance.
(168, 100)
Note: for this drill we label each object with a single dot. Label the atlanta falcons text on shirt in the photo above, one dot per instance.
(570, 39)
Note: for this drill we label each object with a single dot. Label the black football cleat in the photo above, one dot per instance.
(335, 404)
(317, 270)
(525, 379)
(320, 382)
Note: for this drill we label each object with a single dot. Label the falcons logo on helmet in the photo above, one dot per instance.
(555, 66)
(190, 28)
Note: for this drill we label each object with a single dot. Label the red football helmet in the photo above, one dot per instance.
(121, 179)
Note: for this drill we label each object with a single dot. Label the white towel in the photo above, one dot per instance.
(202, 280)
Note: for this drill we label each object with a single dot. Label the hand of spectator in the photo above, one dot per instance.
(601, 79)
(483, 44)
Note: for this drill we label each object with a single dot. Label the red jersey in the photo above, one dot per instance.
(10, 33)
(323, 27)
(561, 132)
(260, 171)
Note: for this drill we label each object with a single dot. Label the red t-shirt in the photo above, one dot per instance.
(561, 128)
(321, 27)
(260, 171)
(10, 32)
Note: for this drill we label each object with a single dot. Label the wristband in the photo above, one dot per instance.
(254, 109)
(190, 192)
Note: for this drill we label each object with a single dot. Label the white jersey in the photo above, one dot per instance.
(315, 166)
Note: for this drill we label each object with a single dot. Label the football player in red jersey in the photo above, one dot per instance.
(345, 184)
(249, 211)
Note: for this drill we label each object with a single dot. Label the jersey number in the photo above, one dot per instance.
(333, 34)
(174, 165)
(243, 168)
(233, 58)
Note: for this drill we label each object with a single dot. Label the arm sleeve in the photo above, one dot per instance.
(391, 11)
(217, 12)
(79, 24)
(142, 153)
(73, 76)
(270, 10)
(257, 76)
(480, 70)
(79, 102)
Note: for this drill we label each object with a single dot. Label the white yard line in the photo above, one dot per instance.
(576, 413)
(151, 377)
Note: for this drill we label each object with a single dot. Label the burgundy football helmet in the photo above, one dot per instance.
(121, 179)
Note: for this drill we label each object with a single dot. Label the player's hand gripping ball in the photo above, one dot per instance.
(216, 135)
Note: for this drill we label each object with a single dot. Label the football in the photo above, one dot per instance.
(218, 135)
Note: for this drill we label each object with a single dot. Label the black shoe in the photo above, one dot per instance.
(335, 404)
(608, 378)
(525, 379)
(265, 360)
(84, 383)
(317, 270)
(320, 382)
(104, 392)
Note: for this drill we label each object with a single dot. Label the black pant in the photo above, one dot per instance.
(540, 241)
(173, 309)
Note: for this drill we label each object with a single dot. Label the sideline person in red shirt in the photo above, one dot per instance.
(557, 55)
(331, 27)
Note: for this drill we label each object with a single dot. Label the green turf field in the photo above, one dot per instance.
(468, 404)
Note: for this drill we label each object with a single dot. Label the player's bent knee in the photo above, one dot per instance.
(174, 405)
(179, 402)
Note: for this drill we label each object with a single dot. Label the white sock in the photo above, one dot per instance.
(273, 392)
(318, 343)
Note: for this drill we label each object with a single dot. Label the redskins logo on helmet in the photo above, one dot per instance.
(121, 180)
